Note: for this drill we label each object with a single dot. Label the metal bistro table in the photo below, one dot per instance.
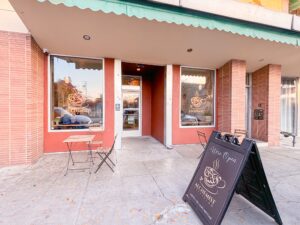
(79, 139)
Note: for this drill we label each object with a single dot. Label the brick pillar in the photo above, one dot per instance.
(266, 96)
(21, 99)
(231, 81)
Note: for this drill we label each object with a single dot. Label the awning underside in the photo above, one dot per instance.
(176, 15)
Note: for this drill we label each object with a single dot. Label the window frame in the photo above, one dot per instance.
(214, 97)
(296, 79)
(49, 92)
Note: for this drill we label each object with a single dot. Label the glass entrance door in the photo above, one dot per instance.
(131, 106)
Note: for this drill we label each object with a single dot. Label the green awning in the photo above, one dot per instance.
(181, 16)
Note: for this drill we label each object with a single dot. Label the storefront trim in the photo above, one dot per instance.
(118, 103)
(168, 105)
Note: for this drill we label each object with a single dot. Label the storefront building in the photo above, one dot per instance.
(133, 68)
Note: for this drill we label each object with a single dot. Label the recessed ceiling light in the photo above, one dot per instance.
(86, 37)
(138, 69)
(189, 50)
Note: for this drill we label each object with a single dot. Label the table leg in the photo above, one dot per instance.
(70, 156)
(70, 151)
(67, 165)
(91, 155)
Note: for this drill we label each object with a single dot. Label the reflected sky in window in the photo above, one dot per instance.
(88, 81)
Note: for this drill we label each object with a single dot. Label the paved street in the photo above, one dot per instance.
(146, 188)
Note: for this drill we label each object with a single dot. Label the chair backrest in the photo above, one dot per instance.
(112, 147)
(240, 132)
(202, 138)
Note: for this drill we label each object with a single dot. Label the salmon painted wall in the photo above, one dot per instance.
(54, 140)
(158, 105)
(183, 135)
(146, 106)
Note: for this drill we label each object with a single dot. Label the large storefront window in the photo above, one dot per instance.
(288, 100)
(76, 93)
(197, 97)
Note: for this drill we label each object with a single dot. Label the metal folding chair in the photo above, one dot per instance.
(203, 141)
(104, 154)
(240, 134)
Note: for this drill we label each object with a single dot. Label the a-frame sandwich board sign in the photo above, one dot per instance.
(219, 172)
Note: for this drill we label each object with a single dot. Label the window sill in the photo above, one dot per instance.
(198, 126)
(101, 129)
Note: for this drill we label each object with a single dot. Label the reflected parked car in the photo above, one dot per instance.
(67, 117)
(188, 120)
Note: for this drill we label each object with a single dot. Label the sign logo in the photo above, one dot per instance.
(75, 99)
(196, 101)
(211, 180)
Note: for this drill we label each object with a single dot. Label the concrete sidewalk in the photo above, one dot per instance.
(146, 188)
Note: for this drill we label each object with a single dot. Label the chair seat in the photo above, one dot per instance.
(96, 143)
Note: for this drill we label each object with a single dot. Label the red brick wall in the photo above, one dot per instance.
(35, 87)
(231, 96)
(266, 95)
(21, 94)
(224, 98)
(274, 105)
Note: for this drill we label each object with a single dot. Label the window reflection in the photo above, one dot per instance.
(76, 92)
(197, 98)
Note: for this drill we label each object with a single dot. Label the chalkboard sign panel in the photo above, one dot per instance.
(215, 179)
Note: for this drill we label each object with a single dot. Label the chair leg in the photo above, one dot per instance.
(103, 161)
(99, 166)
(200, 156)
(68, 164)
(110, 160)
